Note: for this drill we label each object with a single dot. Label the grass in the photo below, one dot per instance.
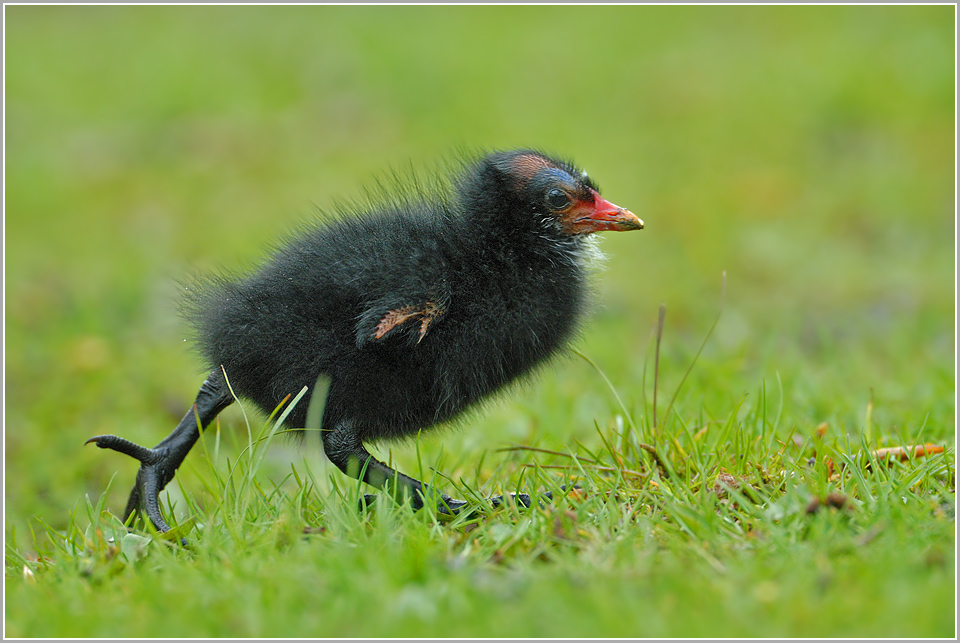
(804, 152)
(727, 529)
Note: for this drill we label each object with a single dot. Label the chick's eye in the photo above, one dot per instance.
(557, 199)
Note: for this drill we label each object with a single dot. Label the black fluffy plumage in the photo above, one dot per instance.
(414, 309)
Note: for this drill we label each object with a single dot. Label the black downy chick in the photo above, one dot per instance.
(414, 311)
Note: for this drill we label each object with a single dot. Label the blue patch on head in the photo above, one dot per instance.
(562, 175)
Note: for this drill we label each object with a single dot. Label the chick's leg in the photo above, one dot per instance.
(159, 464)
(345, 449)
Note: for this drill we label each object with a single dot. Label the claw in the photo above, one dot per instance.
(151, 478)
(159, 465)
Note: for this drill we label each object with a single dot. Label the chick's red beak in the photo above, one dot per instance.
(601, 215)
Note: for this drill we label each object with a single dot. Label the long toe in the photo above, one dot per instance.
(155, 472)
(447, 507)
(122, 445)
(148, 487)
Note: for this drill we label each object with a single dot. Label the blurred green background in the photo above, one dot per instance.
(806, 151)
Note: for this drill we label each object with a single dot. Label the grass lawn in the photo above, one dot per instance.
(794, 167)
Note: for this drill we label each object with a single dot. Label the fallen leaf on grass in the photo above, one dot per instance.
(905, 453)
(891, 454)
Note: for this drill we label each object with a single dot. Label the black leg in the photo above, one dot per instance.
(159, 464)
(345, 450)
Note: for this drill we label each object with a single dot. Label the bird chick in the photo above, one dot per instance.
(412, 310)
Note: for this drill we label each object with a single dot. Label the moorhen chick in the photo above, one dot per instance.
(412, 310)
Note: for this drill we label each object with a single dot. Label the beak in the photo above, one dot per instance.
(602, 215)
